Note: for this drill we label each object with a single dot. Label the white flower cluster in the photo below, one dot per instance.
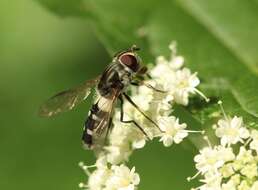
(232, 165)
(114, 177)
(175, 84)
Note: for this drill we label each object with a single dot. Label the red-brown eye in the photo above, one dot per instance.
(130, 61)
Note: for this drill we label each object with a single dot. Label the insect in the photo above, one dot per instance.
(124, 70)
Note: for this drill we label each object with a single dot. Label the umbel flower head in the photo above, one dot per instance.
(115, 177)
(177, 84)
(231, 131)
(232, 165)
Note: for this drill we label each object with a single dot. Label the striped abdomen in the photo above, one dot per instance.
(98, 123)
(89, 126)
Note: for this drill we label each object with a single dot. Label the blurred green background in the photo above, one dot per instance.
(50, 45)
(41, 54)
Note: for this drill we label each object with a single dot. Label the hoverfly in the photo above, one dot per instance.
(111, 86)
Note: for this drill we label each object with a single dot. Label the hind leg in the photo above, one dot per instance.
(130, 121)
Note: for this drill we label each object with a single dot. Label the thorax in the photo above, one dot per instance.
(116, 76)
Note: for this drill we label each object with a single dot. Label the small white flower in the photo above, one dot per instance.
(118, 154)
(125, 135)
(144, 97)
(173, 131)
(255, 186)
(236, 179)
(211, 159)
(101, 161)
(122, 178)
(98, 178)
(162, 71)
(212, 181)
(177, 62)
(225, 153)
(230, 185)
(138, 144)
(185, 83)
(243, 158)
(244, 185)
(227, 170)
(250, 170)
(231, 131)
(120, 131)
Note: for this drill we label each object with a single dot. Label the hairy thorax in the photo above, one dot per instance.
(116, 77)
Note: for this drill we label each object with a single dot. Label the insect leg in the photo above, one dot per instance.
(130, 121)
(147, 117)
(109, 128)
(148, 86)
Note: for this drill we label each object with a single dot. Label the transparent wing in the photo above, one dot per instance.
(67, 100)
(101, 130)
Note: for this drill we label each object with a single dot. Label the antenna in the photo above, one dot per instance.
(134, 48)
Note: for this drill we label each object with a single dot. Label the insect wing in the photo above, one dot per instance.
(102, 129)
(102, 121)
(67, 100)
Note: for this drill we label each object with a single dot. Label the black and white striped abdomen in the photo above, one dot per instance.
(97, 123)
(91, 123)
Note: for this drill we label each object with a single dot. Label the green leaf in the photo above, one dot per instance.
(66, 8)
(233, 22)
(205, 53)
(219, 39)
(204, 112)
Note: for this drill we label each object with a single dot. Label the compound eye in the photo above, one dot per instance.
(130, 61)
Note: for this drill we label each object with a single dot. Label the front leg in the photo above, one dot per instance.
(134, 105)
(139, 83)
